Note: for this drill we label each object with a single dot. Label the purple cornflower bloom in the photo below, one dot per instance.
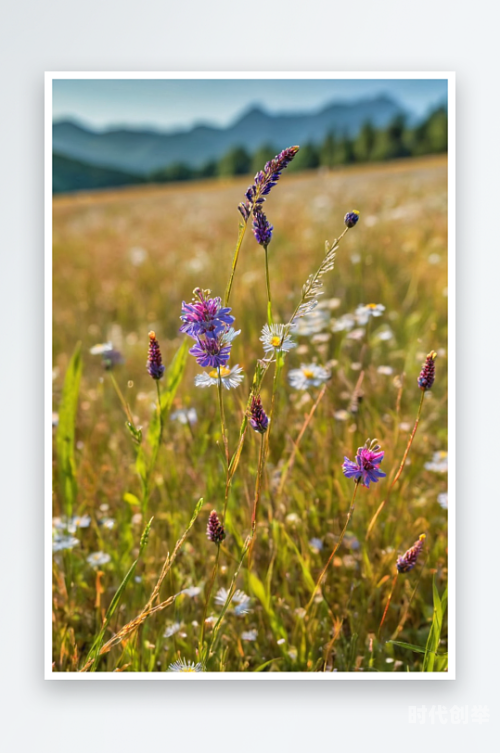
(211, 352)
(265, 180)
(261, 228)
(365, 467)
(215, 529)
(428, 373)
(204, 315)
(351, 218)
(259, 421)
(154, 364)
(409, 559)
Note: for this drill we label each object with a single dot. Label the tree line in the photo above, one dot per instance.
(370, 145)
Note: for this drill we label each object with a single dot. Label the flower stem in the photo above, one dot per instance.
(269, 304)
(335, 548)
(400, 469)
(222, 419)
(209, 594)
(258, 484)
(241, 235)
(121, 398)
(388, 602)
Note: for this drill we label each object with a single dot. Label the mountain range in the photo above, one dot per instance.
(142, 151)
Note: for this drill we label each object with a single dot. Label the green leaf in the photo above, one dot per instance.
(409, 646)
(65, 435)
(429, 664)
(131, 499)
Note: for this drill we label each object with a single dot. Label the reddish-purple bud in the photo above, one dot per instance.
(154, 365)
(428, 373)
(258, 418)
(215, 529)
(409, 559)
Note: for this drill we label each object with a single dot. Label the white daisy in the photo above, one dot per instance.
(181, 665)
(386, 370)
(443, 500)
(108, 523)
(439, 462)
(312, 323)
(249, 635)
(192, 591)
(343, 323)
(364, 313)
(230, 378)
(171, 630)
(309, 375)
(63, 542)
(100, 348)
(277, 337)
(185, 416)
(98, 558)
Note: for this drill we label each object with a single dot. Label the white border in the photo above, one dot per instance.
(315, 676)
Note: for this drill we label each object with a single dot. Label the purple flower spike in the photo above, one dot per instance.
(365, 467)
(258, 417)
(409, 559)
(428, 373)
(262, 230)
(351, 218)
(204, 316)
(215, 529)
(265, 180)
(211, 352)
(154, 365)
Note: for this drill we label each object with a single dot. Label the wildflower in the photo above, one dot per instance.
(185, 416)
(265, 179)
(316, 545)
(443, 500)
(386, 370)
(240, 598)
(181, 665)
(230, 378)
(249, 635)
(312, 323)
(364, 312)
(172, 629)
(108, 523)
(259, 421)
(154, 365)
(215, 529)
(101, 348)
(192, 591)
(276, 337)
(261, 228)
(409, 559)
(61, 542)
(310, 375)
(98, 558)
(204, 316)
(365, 467)
(428, 373)
(439, 462)
(214, 351)
(71, 524)
(351, 218)
(344, 323)
(112, 358)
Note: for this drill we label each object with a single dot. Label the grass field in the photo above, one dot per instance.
(123, 263)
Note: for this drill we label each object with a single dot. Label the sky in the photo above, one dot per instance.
(171, 105)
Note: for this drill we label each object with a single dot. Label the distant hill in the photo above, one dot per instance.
(141, 152)
(73, 175)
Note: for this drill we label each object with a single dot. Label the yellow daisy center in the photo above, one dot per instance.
(371, 306)
(214, 374)
(188, 669)
(308, 373)
(275, 341)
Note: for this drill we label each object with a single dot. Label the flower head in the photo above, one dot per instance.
(214, 351)
(181, 665)
(258, 418)
(265, 180)
(261, 228)
(230, 378)
(276, 337)
(215, 529)
(409, 559)
(204, 315)
(154, 365)
(351, 218)
(98, 558)
(61, 541)
(364, 312)
(309, 375)
(428, 373)
(365, 467)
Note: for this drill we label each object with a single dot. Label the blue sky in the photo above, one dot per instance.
(179, 104)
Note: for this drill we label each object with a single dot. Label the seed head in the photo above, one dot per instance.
(351, 218)
(428, 373)
(409, 559)
(154, 365)
(215, 529)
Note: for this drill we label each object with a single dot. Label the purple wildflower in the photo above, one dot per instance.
(154, 364)
(214, 351)
(265, 180)
(409, 559)
(428, 373)
(365, 467)
(351, 218)
(215, 529)
(262, 230)
(204, 315)
(259, 421)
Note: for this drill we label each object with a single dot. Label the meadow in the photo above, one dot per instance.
(123, 263)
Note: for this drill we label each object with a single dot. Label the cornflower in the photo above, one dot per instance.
(365, 467)
(214, 351)
(204, 316)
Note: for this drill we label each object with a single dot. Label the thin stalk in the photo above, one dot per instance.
(222, 419)
(258, 485)
(269, 303)
(160, 417)
(400, 469)
(121, 398)
(388, 602)
(209, 594)
(241, 235)
(335, 548)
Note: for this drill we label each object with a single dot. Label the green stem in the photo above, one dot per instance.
(121, 398)
(258, 486)
(269, 303)
(222, 419)
(209, 594)
(335, 548)
(241, 235)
